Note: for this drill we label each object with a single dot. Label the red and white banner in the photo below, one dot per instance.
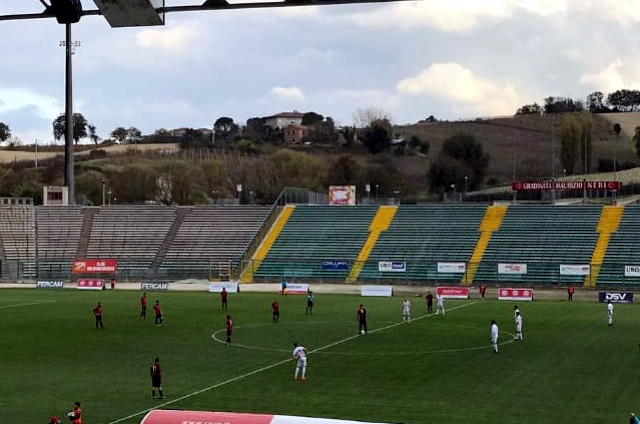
(90, 284)
(565, 185)
(525, 295)
(453, 292)
(452, 267)
(94, 266)
(160, 416)
(512, 268)
(342, 195)
(575, 269)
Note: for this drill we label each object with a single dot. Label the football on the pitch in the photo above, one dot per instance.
(362, 332)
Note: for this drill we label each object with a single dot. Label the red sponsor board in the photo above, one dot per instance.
(453, 292)
(94, 266)
(564, 185)
(525, 295)
(90, 284)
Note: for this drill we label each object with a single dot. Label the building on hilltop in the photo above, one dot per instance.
(294, 133)
(284, 119)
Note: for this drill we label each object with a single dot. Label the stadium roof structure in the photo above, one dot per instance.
(132, 13)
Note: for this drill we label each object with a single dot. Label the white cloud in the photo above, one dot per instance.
(288, 93)
(13, 99)
(175, 39)
(455, 83)
(613, 77)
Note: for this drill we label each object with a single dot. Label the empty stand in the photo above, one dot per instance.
(210, 235)
(314, 234)
(622, 250)
(422, 236)
(543, 237)
(131, 234)
(58, 238)
(18, 237)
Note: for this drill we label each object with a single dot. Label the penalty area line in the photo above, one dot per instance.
(265, 368)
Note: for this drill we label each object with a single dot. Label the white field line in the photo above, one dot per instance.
(17, 305)
(268, 367)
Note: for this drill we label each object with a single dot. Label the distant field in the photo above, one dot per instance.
(11, 155)
(571, 367)
(627, 120)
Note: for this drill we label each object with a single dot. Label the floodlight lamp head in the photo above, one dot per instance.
(67, 11)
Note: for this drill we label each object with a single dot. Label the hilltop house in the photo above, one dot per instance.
(284, 119)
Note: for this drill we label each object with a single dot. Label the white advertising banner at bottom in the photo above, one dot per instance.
(377, 291)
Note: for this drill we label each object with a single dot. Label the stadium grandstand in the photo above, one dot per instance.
(515, 244)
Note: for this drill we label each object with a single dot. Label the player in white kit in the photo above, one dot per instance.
(610, 313)
(300, 355)
(518, 327)
(440, 306)
(406, 311)
(494, 336)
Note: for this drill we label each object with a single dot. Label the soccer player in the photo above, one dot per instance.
(518, 327)
(494, 336)
(97, 312)
(361, 316)
(310, 300)
(440, 300)
(406, 311)
(300, 356)
(54, 420)
(229, 325)
(570, 292)
(158, 312)
(483, 290)
(113, 284)
(516, 311)
(283, 287)
(156, 378)
(610, 313)
(143, 306)
(223, 298)
(429, 303)
(75, 416)
(275, 309)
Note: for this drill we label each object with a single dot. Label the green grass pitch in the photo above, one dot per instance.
(571, 366)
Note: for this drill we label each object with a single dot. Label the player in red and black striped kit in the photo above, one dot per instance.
(97, 312)
(362, 320)
(158, 312)
(156, 379)
(143, 306)
(229, 325)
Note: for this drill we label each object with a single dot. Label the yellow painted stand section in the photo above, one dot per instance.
(490, 223)
(609, 222)
(380, 223)
(267, 243)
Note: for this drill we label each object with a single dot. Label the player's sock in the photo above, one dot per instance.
(304, 373)
(161, 394)
(295, 376)
(153, 393)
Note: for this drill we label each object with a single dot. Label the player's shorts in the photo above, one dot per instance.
(159, 316)
(302, 362)
(309, 303)
(229, 333)
(156, 382)
(494, 341)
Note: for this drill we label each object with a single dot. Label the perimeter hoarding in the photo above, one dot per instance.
(565, 185)
(453, 292)
(94, 266)
(342, 195)
(518, 294)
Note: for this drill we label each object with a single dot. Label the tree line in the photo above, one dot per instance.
(623, 100)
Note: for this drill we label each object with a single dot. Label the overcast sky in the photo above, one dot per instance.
(449, 58)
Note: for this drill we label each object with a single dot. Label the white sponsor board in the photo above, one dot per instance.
(512, 268)
(575, 269)
(452, 267)
(154, 285)
(296, 288)
(50, 284)
(230, 286)
(377, 291)
(392, 266)
(632, 270)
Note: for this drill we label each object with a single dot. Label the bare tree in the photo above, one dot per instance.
(364, 117)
